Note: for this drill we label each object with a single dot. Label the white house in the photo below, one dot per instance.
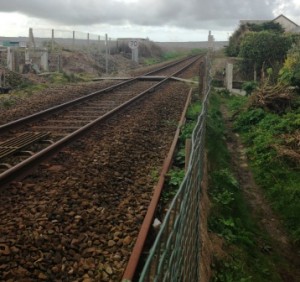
(286, 23)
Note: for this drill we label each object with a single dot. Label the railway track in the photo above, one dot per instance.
(76, 217)
(64, 123)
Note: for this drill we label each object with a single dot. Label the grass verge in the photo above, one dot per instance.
(271, 145)
(245, 253)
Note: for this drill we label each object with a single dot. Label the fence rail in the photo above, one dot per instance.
(175, 254)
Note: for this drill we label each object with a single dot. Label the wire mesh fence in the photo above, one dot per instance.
(72, 40)
(175, 254)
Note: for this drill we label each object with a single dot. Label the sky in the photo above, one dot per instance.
(158, 20)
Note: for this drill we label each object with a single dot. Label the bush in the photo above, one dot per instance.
(249, 87)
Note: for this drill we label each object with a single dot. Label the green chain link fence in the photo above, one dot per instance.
(175, 254)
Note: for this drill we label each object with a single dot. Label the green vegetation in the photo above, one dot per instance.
(258, 52)
(271, 146)
(26, 89)
(235, 40)
(177, 172)
(61, 78)
(254, 44)
(151, 61)
(173, 181)
(172, 55)
(268, 122)
(246, 252)
(290, 73)
(7, 102)
(249, 87)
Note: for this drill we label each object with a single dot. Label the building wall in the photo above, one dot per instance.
(286, 24)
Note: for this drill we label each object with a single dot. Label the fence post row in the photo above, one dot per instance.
(53, 42)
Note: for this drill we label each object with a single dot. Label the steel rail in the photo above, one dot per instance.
(18, 122)
(131, 267)
(22, 169)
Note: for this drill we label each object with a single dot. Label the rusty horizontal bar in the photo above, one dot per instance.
(142, 236)
(18, 143)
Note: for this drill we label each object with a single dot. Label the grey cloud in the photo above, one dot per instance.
(193, 14)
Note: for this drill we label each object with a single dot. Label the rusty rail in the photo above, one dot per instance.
(140, 242)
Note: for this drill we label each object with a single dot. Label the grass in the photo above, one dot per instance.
(177, 171)
(61, 78)
(26, 89)
(248, 255)
(279, 176)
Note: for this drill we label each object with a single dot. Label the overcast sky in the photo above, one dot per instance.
(159, 20)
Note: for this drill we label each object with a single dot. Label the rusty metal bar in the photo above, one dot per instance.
(139, 245)
(18, 143)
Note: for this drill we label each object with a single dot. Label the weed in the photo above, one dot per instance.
(186, 131)
(180, 158)
(8, 103)
(194, 110)
(249, 87)
(173, 180)
(261, 132)
(230, 216)
(176, 174)
(172, 55)
(154, 175)
(151, 61)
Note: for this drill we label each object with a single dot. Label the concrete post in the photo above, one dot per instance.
(88, 40)
(135, 55)
(210, 41)
(109, 44)
(106, 54)
(99, 44)
(73, 41)
(10, 62)
(52, 40)
(44, 61)
(27, 56)
(229, 76)
(31, 38)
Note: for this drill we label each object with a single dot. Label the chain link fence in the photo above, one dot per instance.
(175, 254)
(54, 39)
(56, 50)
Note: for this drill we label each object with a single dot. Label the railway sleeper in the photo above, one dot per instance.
(18, 143)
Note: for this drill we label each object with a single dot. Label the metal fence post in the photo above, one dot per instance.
(52, 40)
(99, 45)
(106, 54)
(73, 41)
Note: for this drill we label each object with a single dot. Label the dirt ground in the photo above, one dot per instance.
(260, 207)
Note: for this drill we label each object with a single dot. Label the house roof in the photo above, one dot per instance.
(264, 21)
(283, 16)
